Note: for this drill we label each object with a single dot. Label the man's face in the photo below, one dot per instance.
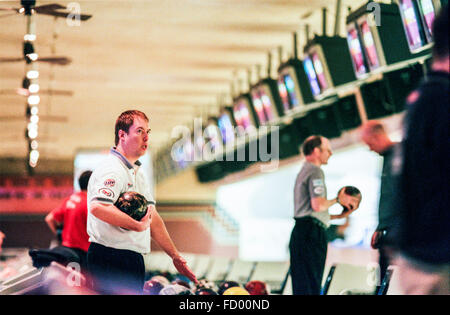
(135, 142)
(372, 141)
(325, 151)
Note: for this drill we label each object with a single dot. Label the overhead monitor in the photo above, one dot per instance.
(289, 90)
(384, 40)
(258, 106)
(356, 51)
(412, 24)
(371, 43)
(212, 135)
(328, 64)
(312, 77)
(319, 66)
(428, 10)
(226, 126)
(284, 95)
(266, 101)
(293, 86)
(244, 115)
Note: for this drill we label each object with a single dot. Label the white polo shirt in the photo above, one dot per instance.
(114, 176)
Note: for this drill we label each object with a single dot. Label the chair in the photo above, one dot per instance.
(202, 265)
(220, 267)
(272, 273)
(352, 279)
(287, 290)
(393, 282)
(241, 271)
(327, 280)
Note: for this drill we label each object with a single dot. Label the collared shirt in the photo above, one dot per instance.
(113, 177)
(310, 183)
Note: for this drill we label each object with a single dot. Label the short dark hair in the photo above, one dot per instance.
(126, 120)
(440, 34)
(83, 180)
(312, 142)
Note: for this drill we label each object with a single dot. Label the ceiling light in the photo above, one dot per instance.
(34, 155)
(34, 119)
(34, 110)
(34, 145)
(29, 37)
(33, 88)
(32, 133)
(34, 99)
(33, 74)
(31, 57)
(32, 126)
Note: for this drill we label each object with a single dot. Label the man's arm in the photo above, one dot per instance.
(52, 222)
(110, 214)
(160, 235)
(162, 238)
(320, 204)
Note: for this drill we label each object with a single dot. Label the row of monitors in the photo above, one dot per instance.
(329, 62)
(332, 61)
(399, 33)
(381, 98)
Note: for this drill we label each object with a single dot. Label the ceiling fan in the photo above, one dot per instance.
(26, 92)
(29, 7)
(45, 118)
(60, 61)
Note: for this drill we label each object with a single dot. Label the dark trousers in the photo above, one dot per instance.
(308, 252)
(115, 271)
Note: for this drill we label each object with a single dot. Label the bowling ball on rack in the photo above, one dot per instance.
(256, 287)
(175, 289)
(205, 291)
(227, 285)
(153, 287)
(236, 291)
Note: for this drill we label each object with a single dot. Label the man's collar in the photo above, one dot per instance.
(124, 159)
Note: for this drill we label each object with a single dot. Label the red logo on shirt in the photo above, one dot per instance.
(109, 182)
(107, 192)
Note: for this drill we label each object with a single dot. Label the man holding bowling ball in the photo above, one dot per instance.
(119, 241)
(308, 244)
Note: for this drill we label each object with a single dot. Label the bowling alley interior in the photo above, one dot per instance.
(231, 90)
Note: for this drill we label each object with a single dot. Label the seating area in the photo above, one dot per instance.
(338, 279)
(19, 276)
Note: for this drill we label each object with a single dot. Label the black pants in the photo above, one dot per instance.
(308, 252)
(115, 271)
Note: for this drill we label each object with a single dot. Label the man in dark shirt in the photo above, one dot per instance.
(374, 135)
(424, 230)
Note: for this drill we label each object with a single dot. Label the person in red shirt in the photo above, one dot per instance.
(72, 216)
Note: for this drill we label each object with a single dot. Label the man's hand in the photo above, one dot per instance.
(377, 238)
(350, 203)
(182, 267)
(145, 222)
